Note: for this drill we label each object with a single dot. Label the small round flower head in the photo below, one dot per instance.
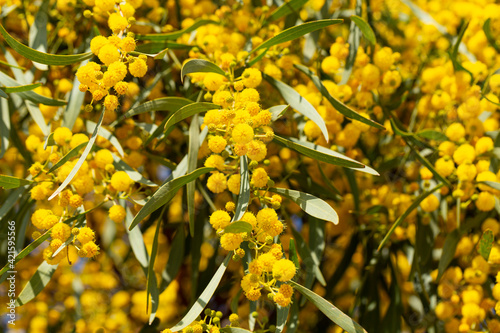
(253, 294)
(75, 201)
(78, 139)
(220, 219)
(230, 241)
(62, 135)
(284, 270)
(213, 81)
(111, 102)
(121, 87)
(242, 134)
(430, 204)
(90, 249)
(217, 144)
(485, 201)
(117, 213)
(281, 300)
(85, 235)
(109, 54)
(259, 177)
(105, 5)
(464, 153)
(32, 143)
(138, 68)
(233, 184)
(102, 158)
(217, 182)
(97, 43)
(38, 217)
(49, 221)
(121, 181)
(61, 231)
(215, 161)
(257, 150)
(127, 44)
(117, 23)
(252, 77)
(286, 290)
(484, 145)
(455, 132)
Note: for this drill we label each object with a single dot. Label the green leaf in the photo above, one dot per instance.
(38, 32)
(333, 313)
(204, 298)
(151, 285)
(432, 135)
(188, 111)
(449, 248)
(72, 153)
(82, 159)
(489, 36)
(310, 204)
(428, 164)
(407, 212)
(338, 105)
(3, 94)
(454, 49)
(200, 66)
(170, 104)
(309, 258)
(281, 317)
(8, 182)
(286, 8)
(37, 117)
(4, 126)
(299, 103)
(244, 196)
(293, 253)
(278, 111)
(353, 41)
(74, 106)
(486, 243)
(29, 95)
(176, 34)
(49, 142)
(165, 193)
(317, 154)
(37, 283)
(42, 57)
(294, 33)
(17, 89)
(491, 184)
(238, 227)
(365, 29)
(175, 259)
(194, 147)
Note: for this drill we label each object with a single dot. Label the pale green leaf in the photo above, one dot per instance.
(365, 29)
(200, 66)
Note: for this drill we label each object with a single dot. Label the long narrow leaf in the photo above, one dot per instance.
(200, 66)
(37, 283)
(188, 111)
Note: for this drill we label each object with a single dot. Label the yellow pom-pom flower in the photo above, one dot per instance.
(284, 270)
(62, 135)
(85, 235)
(252, 77)
(121, 181)
(242, 134)
(220, 219)
(138, 68)
(217, 144)
(430, 204)
(117, 213)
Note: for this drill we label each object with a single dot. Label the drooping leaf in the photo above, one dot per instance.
(151, 286)
(174, 259)
(491, 39)
(29, 95)
(310, 204)
(72, 153)
(365, 29)
(293, 253)
(286, 8)
(176, 34)
(38, 33)
(17, 89)
(332, 158)
(407, 212)
(75, 102)
(238, 227)
(299, 103)
(310, 259)
(333, 313)
(37, 283)
(281, 317)
(8, 182)
(486, 243)
(432, 135)
(82, 158)
(244, 196)
(101, 131)
(194, 147)
(491, 184)
(170, 104)
(278, 111)
(200, 66)
(165, 193)
(204, 298)
(188, 111)
(338, 105)
(42, 57)
(37, 117)
(4, 126)
(295, 32)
